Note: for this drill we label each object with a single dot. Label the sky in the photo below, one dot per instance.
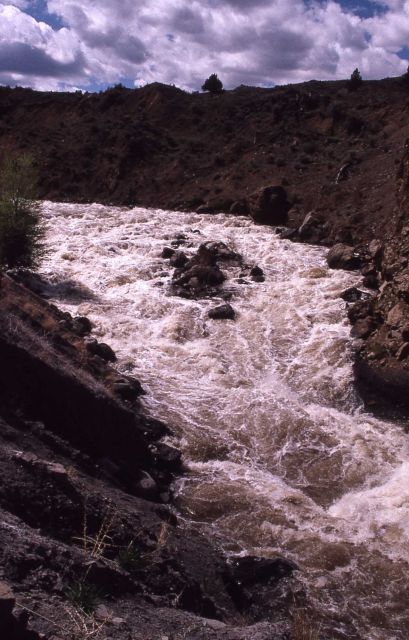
(91, 44)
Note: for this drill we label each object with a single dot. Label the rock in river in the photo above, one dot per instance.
(222, 312)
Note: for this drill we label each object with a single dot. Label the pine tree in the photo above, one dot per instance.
(355, 80)
(213, 84)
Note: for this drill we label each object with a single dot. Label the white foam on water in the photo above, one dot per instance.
(281, 456)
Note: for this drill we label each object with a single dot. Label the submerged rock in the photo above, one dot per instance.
(222, 312)
(220, 251)
(257, 274)
(167, 252)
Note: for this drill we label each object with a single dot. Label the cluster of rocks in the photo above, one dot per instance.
(201, 276)
(380, 319)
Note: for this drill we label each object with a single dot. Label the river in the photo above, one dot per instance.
(281, 457)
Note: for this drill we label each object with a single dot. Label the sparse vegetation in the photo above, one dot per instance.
(129, 557)
(302, 627)
(83, 595)
(213, 84)
(21, 230)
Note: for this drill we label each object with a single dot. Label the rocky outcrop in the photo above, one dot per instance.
(382, 361)
(382, 323)
(68, 387)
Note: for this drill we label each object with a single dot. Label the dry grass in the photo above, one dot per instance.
(95, 546)
(303, 628)
(80, 627)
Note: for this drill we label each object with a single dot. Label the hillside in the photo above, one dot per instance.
(159, 146)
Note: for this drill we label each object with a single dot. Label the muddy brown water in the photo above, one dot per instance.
(281, 456)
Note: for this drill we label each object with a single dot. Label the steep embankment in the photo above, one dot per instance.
(159, 146)
(87, 540)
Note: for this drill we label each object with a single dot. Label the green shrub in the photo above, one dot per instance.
(21, 230)
(83, 595)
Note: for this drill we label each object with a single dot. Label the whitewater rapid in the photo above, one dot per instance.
(281, 457)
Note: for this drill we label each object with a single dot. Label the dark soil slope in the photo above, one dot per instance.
(159, 146)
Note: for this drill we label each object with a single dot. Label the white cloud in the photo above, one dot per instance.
(183, 41)
(391, 29)
(31, 52)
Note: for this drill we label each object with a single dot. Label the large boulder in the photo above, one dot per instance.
(269, 205)
(255, 570)
(343, 256)
(222, 312)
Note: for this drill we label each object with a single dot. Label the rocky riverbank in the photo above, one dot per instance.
(90, 545)
(381, 320)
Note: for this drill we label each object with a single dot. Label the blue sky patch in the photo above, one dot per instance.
(38, 10)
